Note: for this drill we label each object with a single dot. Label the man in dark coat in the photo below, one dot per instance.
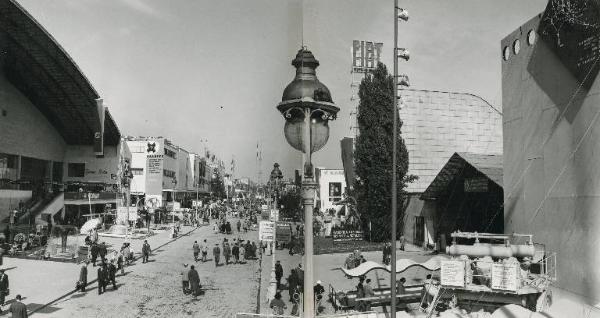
(194, 279)
(236, 253)
(226, 252)
(112, 272)
(94, 251)
(3, 286)
(18, 309)
(83, 277)
(278, 273)
(102, 251)
(145, 251)
(292, 284)
(216, 254)
(102, 278)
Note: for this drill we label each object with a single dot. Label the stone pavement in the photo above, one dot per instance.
(41, 282)
(149, 290)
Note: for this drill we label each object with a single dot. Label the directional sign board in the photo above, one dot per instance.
(266, 231)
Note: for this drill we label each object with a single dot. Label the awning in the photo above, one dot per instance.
(490, 165)
(432, 264)
(86, 202)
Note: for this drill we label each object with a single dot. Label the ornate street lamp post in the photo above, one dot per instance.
(307, 108)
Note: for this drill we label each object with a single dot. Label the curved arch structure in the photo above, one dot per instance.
(39, 67)
(432, 264)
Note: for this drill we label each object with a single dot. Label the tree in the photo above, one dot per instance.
(217, 186)
(373, 155)
(292, 205)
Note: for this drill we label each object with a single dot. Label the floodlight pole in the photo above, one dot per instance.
(394, 151)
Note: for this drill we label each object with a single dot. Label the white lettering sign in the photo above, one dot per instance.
(453, 273)
(504, 276)
(266, 231)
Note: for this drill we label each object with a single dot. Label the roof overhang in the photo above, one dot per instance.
(38, 66)
(490, 165)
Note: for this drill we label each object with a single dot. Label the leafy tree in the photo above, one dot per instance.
(373, 155)
(292, 205)
(217, 186)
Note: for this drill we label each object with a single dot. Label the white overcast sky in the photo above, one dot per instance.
(196, 69)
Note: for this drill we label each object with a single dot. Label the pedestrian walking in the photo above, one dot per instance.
(278, 273)
(145, 251)
(227, 253)
(102, 278)
(112, 273)
(242, 253)
(82, 282)
(94, 251)
(194, 280)
(185, 281)
(102, 251)
(277, 305)
(216, 254)
(204, 249)
(17, 308)
(292, 283)
(4, 287)
(196, 248)
(236, 253)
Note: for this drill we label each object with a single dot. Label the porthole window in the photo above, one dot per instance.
(506, 53)
(516, 46)
(531, 37)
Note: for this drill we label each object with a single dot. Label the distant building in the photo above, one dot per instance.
(550, 92)
(165, 173)
(331, 187)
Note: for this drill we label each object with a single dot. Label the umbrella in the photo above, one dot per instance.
(89, 225)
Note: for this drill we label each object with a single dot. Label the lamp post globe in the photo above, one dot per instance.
(307, 107)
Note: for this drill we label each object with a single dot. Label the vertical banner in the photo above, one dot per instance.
(154, 173)
(99, 131)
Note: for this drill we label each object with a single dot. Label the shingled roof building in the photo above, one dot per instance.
(435, 126)
(56, 136)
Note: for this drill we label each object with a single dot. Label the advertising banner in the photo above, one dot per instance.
(154, 172)
(266, 231)
(452, 273)
(345, 236)
(284, 232)
(504, 276)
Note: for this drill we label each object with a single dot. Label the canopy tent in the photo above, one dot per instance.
(432, 264)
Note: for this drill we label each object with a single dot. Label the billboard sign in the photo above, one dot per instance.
(345, 236)
(284, 232)
(365, 55)
(452, 273)
(266, 231)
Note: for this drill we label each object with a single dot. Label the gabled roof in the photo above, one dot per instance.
(489, 165)
(39, 67)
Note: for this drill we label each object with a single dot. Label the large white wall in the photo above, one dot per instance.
(552, 167)
(24, 130)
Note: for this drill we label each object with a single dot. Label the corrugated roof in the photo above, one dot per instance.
(489, 165)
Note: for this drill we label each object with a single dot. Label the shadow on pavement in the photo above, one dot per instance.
(44, 310)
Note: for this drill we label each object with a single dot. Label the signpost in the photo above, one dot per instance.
(452, 273)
